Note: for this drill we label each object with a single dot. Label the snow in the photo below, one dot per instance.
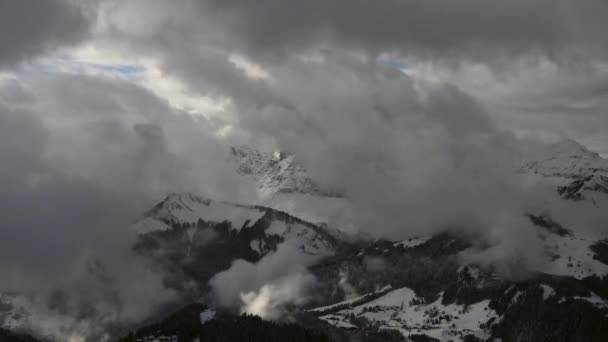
(594, 299)
(191, 209)
(412, 242)
(515, 297)
(548, 291)
(284, 184)
(188, 208)
(566, 159)
(392, 298)
(575, 257)
(568, 164)
(334, 211)
(206, 315)
(275, 172)
(396, 310)
(348, 301)
(308, 240)
(336, 321)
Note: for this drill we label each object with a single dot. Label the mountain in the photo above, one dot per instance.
(284, 184)
(277, 172)
(197, 323)
(565, 159)
(419, 288)
(195, 237)
(578, 173)
(428, 293)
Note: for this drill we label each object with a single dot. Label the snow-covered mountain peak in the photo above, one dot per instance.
(284, 184)
(187, 208)
(276, 172)
(568, 146)
(565, 159)
(190, 213)
(577, 173)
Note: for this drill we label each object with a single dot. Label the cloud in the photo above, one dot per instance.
(31, 27)
(267, 287)
(416, 152)
(82, 159)
(271, 299)
(513, 43)
(414, 158)
(467, 29)
(402, 152)
(535, 98)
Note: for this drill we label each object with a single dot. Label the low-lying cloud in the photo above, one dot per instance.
(268, 287)
(82, 159)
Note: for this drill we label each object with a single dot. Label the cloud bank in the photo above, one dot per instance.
(83, 158)
(415, 108)
(268, 287)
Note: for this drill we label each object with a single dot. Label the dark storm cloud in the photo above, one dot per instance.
(31, 27)
(468, 29)
(195, 40)
(548, 100)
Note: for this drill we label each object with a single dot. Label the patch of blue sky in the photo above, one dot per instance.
(395, 63)
(126, 69)
(70, 64)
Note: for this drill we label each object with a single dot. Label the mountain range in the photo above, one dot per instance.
(418, 289)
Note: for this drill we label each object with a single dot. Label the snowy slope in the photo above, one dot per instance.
(571, 255)
(578, 173)
(254, 230)
(565, 159)
(194, 215)
(284, 184)
(188, 209)
(580, 178)
(276, 172)
(402, 310)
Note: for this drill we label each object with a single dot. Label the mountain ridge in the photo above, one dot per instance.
(418, 286)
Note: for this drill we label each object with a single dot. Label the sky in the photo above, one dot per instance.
(539, 67)
(415, 107)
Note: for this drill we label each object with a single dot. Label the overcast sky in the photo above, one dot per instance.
(538, 66)
(415, 107)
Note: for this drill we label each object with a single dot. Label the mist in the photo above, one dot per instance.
(268, 287)
(78, 171)
(419, 113)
